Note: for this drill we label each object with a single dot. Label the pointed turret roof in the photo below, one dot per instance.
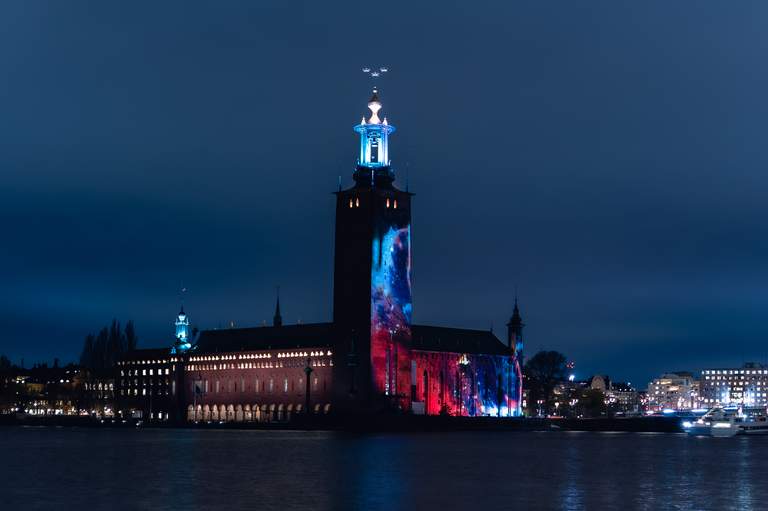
(277, 320)
(516, 318)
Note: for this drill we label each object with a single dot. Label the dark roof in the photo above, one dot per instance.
(146, 354)
(427, 338)
(265, 338)
(457, 340)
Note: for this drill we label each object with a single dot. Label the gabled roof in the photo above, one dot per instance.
(265, 338)
(457, 340)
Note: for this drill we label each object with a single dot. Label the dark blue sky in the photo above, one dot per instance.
(608, 158)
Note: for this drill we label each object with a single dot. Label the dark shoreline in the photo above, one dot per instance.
(383, 424)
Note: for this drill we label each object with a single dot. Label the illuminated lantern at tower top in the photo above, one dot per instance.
(182, 331)
(373, 163)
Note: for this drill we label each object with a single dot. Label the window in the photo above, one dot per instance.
(271, 385)
(395, 205)
(217, 387)
(256, 385)
(242, 384)
(285, 385)
(357, 202)
(350, 202)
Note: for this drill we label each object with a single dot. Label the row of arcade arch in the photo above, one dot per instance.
(274, 412)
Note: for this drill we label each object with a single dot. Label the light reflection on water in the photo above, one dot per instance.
(172, 469)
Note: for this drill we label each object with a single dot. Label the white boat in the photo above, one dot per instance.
(719, 422)
(716, 422)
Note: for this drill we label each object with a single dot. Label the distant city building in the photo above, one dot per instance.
(565, 398)
(43, 390)
(622, 397)
(571, 397)
(675, 391)
(747, 386)
(600, 382)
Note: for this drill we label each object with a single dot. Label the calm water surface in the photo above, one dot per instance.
(49, 468)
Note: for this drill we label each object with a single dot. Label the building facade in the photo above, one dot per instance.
(371, 358)
(744, 386)
(623, 397)
(673, 391)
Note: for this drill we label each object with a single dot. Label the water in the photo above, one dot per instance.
(68, 468)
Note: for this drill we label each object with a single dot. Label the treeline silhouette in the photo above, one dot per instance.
(102, 350)
(5, 363)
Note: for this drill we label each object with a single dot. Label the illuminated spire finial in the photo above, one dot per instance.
(374, 105)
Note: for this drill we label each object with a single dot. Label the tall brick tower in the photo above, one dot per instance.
(372, 278)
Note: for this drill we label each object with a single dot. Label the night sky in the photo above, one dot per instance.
(607, 158)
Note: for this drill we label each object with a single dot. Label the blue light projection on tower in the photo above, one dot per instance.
(391, 310)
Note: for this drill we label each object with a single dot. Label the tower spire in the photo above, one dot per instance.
(277, 320)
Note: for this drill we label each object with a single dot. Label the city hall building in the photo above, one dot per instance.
(370, 358)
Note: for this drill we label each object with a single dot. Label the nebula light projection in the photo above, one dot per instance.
(469, 385)
(391, 313)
